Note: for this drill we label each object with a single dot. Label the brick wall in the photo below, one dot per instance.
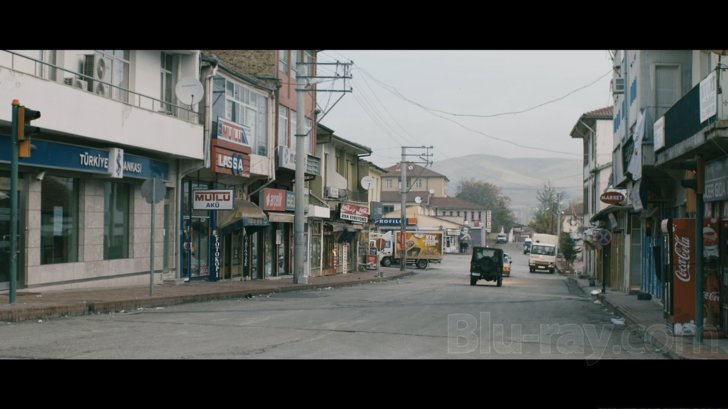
(252, 62)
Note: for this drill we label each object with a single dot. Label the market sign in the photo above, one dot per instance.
(355, 213)
(612, 197)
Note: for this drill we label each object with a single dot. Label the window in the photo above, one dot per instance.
(59, 220)
(667, 87)
(307, 63)
(294, 61)
(309, 124)
(294, 130)
(167, 82)
(283, 61)
(119, 73)
(247, 107)
(116, 220)
(418, 182)
(388, 183)
(282, 125)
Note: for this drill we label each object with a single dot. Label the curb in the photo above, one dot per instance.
(81, 308)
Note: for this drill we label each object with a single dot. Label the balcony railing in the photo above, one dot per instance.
(86, 83)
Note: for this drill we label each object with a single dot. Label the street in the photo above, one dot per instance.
(432, 314)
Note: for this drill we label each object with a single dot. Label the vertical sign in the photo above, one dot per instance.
(246, 255)
(683, 253)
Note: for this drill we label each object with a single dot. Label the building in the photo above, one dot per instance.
(257, 236)
(339, 244)
(693, 125)
(110, 121)
(595, 129)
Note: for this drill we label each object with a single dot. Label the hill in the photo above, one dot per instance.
(519, 178)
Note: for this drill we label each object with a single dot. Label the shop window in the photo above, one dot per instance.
(59, 220)
(116, 220)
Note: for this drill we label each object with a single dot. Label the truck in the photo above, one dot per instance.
(422, 247)
(544, 248)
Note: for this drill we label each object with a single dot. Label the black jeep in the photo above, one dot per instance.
(486, 264)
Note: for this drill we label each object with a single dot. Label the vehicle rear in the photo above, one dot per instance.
(486, 263)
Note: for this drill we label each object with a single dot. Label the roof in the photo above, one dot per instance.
(325, 135)
(416, 171)
(454, 203)
(587, 120)
(372, 166)
(396, 197)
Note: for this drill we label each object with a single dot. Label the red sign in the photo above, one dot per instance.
(354, 213)
(612, 197)
(230, 159)
(683, 255)
(230, 131)
(274, 199)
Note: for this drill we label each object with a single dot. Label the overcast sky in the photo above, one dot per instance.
(466, 83)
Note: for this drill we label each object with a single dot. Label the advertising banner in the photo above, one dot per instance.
(683, 256)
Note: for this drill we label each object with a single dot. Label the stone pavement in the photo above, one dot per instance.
(44, 304)
(646, 317)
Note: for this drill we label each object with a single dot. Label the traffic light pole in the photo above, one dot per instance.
(14, 203)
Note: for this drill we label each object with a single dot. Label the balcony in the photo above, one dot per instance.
(681, 132)
(76, 104)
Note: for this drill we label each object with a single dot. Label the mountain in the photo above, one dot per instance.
(518, 178)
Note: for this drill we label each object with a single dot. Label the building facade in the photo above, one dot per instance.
(110, 121)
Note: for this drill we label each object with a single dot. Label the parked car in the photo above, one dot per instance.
(501, 238)
(507, 261)
(486, 263)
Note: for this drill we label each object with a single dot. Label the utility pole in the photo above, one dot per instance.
(305, 82)
(424, 158)
(300, 276)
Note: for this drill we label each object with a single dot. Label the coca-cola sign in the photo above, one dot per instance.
(682, 255)
(612, 197)
(683, 271)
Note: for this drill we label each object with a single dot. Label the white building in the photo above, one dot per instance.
(595, 128)
(110, 120)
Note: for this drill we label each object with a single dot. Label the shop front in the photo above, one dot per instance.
(82, 205)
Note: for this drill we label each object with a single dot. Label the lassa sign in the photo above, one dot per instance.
(612, 197)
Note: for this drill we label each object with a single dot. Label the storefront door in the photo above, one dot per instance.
(5, 234)
(196, 260)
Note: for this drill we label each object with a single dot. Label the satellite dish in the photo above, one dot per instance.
(367, 182)
(432, 191)
(418, 200)
(189, 90)
(410, 167)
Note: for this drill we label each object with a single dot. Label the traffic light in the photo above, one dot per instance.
(696, 167)
(25, 130)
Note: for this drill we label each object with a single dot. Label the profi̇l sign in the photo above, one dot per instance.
(612, 197)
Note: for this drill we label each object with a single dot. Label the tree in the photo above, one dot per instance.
(492, 198)
(549, 208)
(568, 249)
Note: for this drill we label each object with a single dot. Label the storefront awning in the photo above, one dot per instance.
(602, 214)
(244, 214)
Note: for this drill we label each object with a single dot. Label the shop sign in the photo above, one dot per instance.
(232, 132)
(612, 197)
(274, 199)
(359, 214)
(212, 199)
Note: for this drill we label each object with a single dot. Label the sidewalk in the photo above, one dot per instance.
(646, 317)
(44, 304)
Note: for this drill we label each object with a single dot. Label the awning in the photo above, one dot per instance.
(244, 214)
(602, 214)
(277, 217)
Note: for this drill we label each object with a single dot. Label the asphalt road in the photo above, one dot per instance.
(433, 314)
